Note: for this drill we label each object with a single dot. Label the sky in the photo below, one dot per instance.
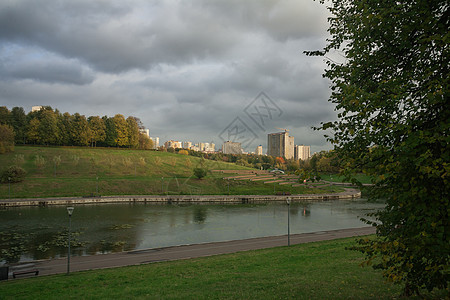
(199, 71)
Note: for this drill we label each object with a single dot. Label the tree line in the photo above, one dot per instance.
(51, 127)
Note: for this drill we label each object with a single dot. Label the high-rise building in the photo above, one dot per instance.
(280, 144)
(187, 145)
(302, 152)
(145, 131)
(155, 142)
(36, 108)
(172, 144)
(231, 148)
(259, 150)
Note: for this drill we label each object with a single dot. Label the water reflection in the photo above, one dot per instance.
(38, 233)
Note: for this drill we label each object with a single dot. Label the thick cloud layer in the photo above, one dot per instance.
(187, 69)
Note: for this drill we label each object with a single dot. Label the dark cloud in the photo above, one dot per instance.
(185, 68)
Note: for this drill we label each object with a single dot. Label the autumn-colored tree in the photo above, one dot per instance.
(145, 143)
(80, 134)
(133, 132)
(97, 130)
(121, 127)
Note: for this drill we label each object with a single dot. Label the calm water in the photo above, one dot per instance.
(37, 233)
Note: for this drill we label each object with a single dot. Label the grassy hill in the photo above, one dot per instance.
(76, 171)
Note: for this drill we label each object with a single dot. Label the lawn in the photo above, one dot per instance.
(320, 270)
(76, 171)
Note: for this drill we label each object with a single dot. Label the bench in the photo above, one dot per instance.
(35, 271)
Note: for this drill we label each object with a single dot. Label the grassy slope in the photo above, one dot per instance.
(321, 270)
(124, 172)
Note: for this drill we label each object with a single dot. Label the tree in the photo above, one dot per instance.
(79, 133)
(145, 143)
(19, 123)
(48, 127)
(33, 131)
(111, 133)
(97, 129)
(6, 138)
(5, 116)
(65, 128)
(200, 172)
(121, 127)
(13, 174)
(133, 132)
(391, 94)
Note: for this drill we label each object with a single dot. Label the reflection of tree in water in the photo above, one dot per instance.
(199, 214)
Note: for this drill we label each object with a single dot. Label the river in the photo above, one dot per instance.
(33, 233)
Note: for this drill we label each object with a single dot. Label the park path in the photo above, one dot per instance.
(138, 257)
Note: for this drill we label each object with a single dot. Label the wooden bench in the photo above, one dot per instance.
(35, 271)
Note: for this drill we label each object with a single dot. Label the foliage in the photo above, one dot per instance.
(97, 129)
(133, 132)
(6, 139)
(121, 127)
(391, 93)
(13, 174)
(50, 127)
(183, 152)
(145, 143)
(200, 172)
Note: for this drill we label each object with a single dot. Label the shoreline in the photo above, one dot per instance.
(178, 199)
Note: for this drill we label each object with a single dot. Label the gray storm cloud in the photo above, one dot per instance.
(185, 68)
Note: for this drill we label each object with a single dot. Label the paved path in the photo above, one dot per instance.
(138, 257)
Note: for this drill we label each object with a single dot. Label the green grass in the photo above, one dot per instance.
(336, 178)
(321, 270)
(125, 172)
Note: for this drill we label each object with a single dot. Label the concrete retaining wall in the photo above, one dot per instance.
(179, 199)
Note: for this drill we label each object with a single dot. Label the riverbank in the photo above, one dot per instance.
(178, 199)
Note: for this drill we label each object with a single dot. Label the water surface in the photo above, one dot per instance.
(36, 233)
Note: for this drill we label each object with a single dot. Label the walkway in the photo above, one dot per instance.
(138, 257)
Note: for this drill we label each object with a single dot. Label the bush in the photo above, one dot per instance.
(13, 174)
(200, 172)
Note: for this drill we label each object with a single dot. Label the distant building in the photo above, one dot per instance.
(145, 131)
(259, 150)
(155, 142)
(36, 108)
(172, 144)
(187, 145)
(302, 152)
(280, 145)
(231, 148)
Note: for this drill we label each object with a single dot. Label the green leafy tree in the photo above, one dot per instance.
(200, 172)
(6, 138)
(48, 127)
(5, 116)
(111, 133)
(13, 174)
(391, 94)
(33, 131)
(19, 123)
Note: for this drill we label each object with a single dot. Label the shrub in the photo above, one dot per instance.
(200, 172)
(13, 174)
